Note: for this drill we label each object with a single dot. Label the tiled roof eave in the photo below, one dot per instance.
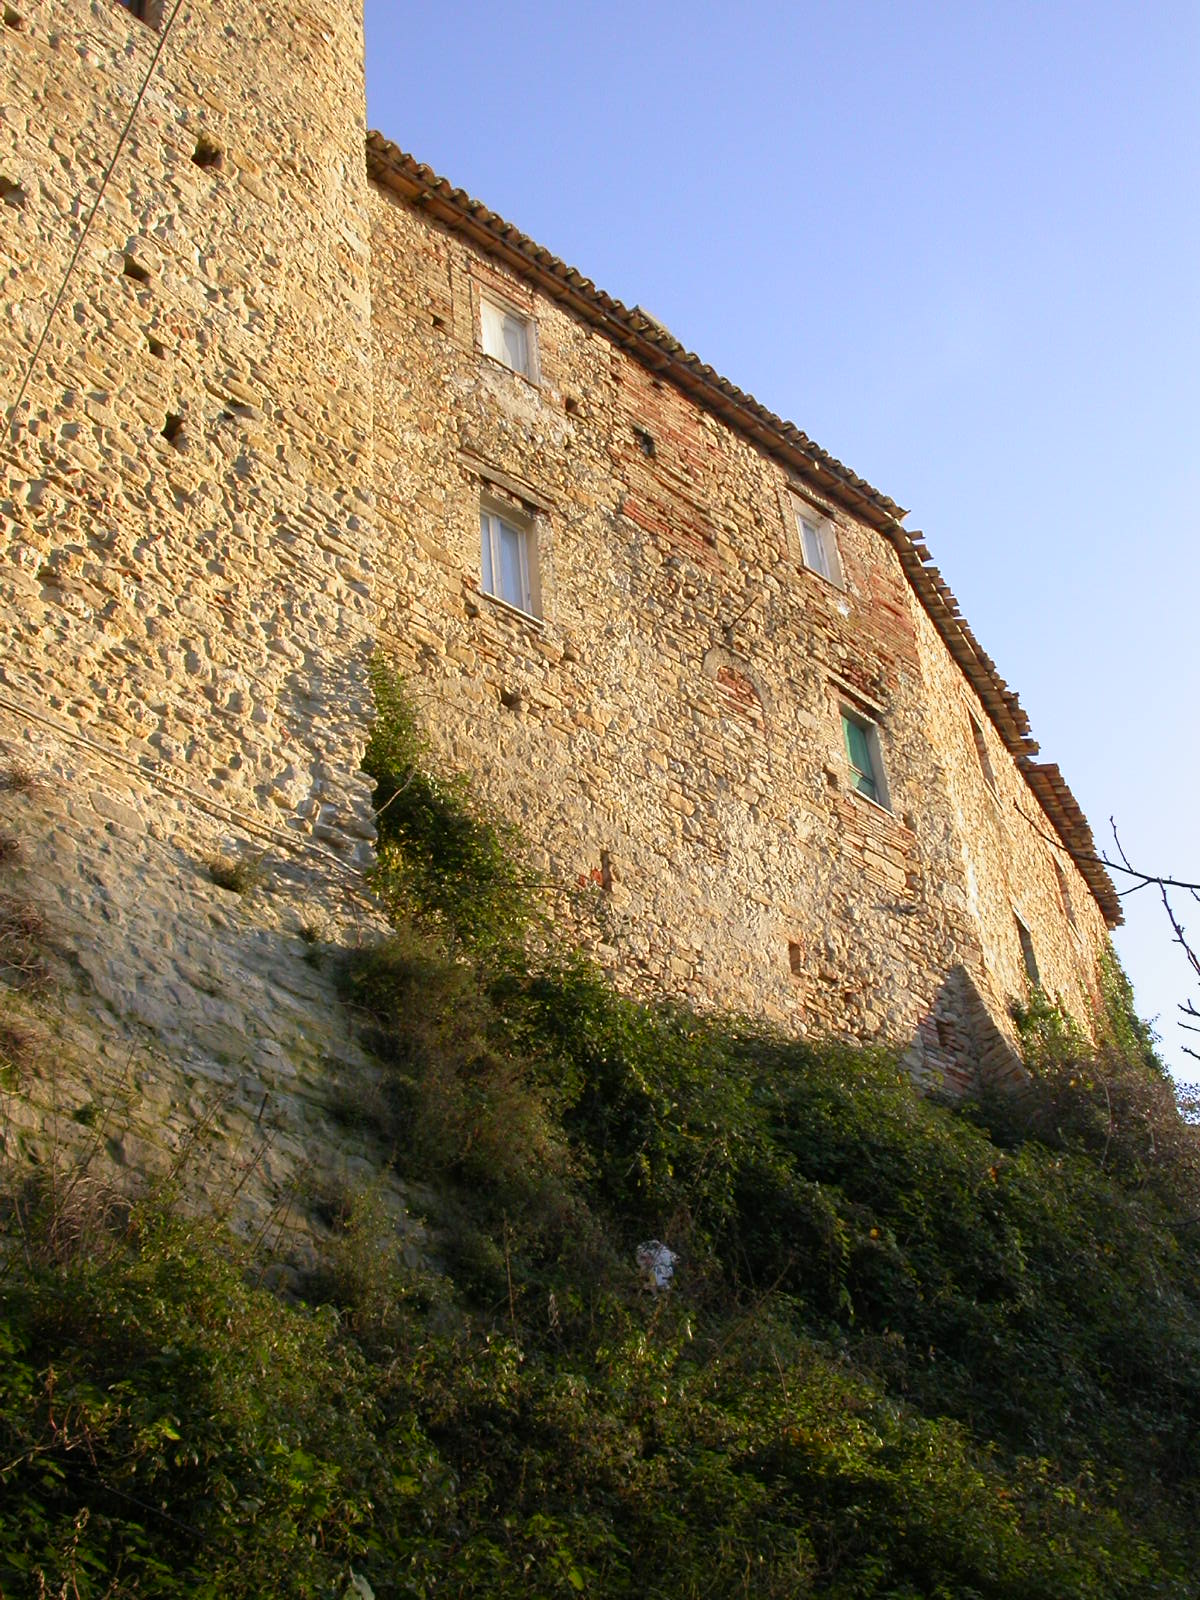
(653, 347)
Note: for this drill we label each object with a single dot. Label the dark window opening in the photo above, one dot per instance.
(173, 427)
(147, 11)
(1027, 953)
(981, 750)
(795, 958)
(134, 269)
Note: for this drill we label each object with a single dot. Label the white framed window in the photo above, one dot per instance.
(818, 543)
(508, 559)
(861, 739)
(981, 751)
(508, 337)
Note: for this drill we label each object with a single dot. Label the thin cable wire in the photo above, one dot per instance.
(298, 845)
(11, 422)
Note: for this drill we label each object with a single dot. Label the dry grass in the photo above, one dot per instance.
(21, 1043)
(68, 1213)
(18, 777)
(22, 943)
(239, 874)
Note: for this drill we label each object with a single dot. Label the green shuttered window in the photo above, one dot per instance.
(863, 757)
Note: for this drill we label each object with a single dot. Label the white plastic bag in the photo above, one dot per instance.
(656, 1263)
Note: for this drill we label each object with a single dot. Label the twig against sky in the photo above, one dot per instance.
(1188, 1007)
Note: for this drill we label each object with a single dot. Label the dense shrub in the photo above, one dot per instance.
(442, 859)
(169, 1429)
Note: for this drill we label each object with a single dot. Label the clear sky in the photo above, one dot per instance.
(959, 245)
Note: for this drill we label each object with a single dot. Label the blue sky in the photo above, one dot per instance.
(959, 245)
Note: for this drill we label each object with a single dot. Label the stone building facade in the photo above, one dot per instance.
(271, 403)
(721, 684)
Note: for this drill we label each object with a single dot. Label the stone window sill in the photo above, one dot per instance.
(478, 599)
(875, 805)
(494, 364)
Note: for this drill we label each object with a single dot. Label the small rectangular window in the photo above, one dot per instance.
(508, 569)
(1064, 892)
(507, 337)
(866, 762)
(818, 543)
(1027, 952)
(981, 750)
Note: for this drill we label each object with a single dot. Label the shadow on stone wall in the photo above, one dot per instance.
(179, 1027)
(957, 1046)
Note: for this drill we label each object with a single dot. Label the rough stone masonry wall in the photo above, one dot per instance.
(668, 732)
(1014, 863)
(185, 549)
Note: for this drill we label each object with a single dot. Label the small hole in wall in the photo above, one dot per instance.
(155, 347)
(945, 1033)
(439, 322)
(134, 269)
(208, 153)
(795, 958)
(571, 406)
(172, 427)
(12, 193)
(147, 11)
(510, 699)
(606, 872)
(646, 439)
(12, 19)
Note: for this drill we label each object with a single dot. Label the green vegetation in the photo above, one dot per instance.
(239, 874)
(911, 1351)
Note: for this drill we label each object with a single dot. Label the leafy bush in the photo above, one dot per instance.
(441, 859)
(241, 875)
(1114, 1100)
(166, 1427)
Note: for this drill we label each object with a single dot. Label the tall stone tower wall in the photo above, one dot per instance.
(186, 540)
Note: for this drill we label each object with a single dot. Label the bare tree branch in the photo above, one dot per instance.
(1163, 882)
(1178, 930)
(1144, 879)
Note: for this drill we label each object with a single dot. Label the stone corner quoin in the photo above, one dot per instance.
(282, 407)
